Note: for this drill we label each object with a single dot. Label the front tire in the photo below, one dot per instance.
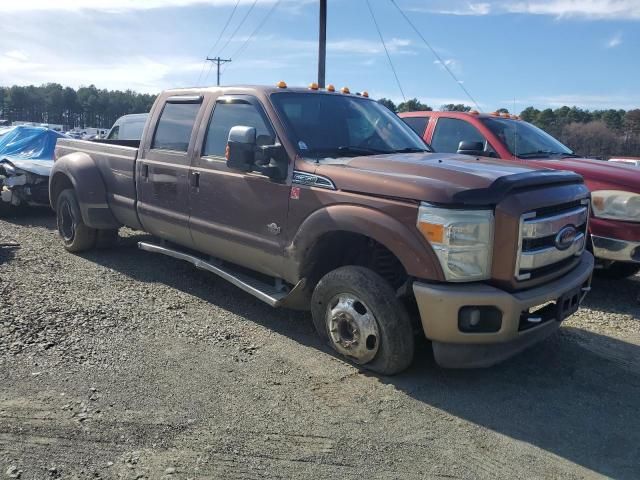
(75, 234)
(356, 311)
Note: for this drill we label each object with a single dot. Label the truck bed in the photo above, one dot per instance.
(116, 165)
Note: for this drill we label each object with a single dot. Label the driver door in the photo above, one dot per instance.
(237, 216)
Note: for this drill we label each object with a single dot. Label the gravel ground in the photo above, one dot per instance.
(121, 364)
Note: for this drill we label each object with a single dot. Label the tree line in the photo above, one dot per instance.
(600, 133)
(85, 107)
(594, 133)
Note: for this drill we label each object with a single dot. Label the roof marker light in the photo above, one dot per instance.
(474, 112)
(313, 86)
(331, 88)
(345, 90)
(281, 84)
(365, 94)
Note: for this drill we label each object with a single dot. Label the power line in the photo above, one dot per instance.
(239, 25)
(224, 29)
(446, 67)
(386, 51)
(256, 30)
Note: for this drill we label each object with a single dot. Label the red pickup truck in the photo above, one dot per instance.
(615, 188)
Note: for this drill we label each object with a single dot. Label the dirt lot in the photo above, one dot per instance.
(122, 364)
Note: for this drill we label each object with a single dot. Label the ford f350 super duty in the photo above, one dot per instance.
(320, 199)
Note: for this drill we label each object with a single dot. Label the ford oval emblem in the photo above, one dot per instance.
(565, 237)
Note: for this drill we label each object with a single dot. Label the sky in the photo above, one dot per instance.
(505, 53)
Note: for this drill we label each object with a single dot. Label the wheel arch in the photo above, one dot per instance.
(78, 171)
(339, 226)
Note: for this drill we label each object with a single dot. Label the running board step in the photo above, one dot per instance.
(263, 291)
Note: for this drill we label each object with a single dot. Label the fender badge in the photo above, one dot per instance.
(295, 193)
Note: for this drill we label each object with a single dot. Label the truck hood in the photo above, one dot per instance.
(606, 172)
(37, 167)
(437, 177)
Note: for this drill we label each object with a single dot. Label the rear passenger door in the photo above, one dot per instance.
(238, 216)
(163, 171)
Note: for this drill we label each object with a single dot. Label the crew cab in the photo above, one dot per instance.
(326, 201)
(615, 188)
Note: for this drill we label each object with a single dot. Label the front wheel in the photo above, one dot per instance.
(75, 234)
(357, 312)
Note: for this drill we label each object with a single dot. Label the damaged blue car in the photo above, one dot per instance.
(26, 159)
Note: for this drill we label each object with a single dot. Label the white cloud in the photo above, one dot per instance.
(453, 65)
(114, 5)
(455, 8)
(590, 9)
(622, 9)
(614, 41)
(18, 55)
(591, 101)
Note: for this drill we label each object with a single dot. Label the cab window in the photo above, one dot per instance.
(451, 131)
(417, 124)
(175, 126)
(227, 115)
(113, 134)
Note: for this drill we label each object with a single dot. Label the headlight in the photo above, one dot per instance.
(462, 240)
(616, 205)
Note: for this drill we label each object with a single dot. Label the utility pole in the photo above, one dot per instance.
(322, 50)
(218, 61)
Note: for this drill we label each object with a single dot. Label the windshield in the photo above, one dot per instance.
(525, 140)
(336, 125)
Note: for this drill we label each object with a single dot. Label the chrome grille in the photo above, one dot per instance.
(538, 242)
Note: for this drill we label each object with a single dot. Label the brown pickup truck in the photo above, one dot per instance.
(324, 200)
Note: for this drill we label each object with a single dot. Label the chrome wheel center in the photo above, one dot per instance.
(352, 328)
(66, 224)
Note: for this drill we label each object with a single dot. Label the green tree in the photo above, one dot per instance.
(413, 105)
(388, 103)
(451, 107)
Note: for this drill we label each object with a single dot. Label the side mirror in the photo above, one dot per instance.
(241, 148)
(471, 148)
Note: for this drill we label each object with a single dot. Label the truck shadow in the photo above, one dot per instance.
(609, 295)
(576, 395)
(32, 217)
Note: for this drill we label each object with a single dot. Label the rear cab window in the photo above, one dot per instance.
(417, 124)
(175, 125)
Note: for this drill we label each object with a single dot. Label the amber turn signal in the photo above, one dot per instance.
(226, 152)
(432, 231)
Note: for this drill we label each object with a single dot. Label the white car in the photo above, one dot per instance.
(627, 160)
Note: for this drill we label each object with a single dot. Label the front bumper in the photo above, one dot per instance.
(614, 249)
(440, 304)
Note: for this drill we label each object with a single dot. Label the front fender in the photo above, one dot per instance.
(415, 254)
(80, 171)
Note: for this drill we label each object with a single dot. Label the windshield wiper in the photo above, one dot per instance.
(410, 150)
(355, 150)
(536, 154)
(547, 154)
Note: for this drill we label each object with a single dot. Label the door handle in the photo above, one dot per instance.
(195, 179)
(145, 171)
